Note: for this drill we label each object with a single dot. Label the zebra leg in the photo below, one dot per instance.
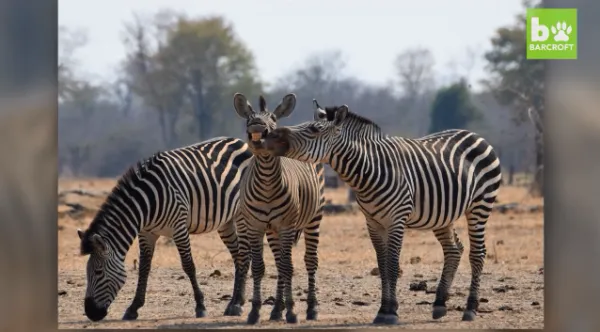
(182, 241)
(311, 260)
(243, 257)
(147, 243)
(376, 233)
(477, 219)
(287, 267)
(453, 250)
(229, 237)
(258, 271)
(394, 246)
(274, 244)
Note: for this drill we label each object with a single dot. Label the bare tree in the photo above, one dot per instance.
(147, 81)
(415, 77)
(414, 68)
(70, 40)
(321, 71)
(463, 68)
(534, 116)
(469, 61)
(124, 95)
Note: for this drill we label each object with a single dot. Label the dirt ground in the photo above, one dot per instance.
(512, 287)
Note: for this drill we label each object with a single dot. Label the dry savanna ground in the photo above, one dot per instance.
(512, 288)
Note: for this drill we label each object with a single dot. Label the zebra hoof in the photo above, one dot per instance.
(469, 316)
(311, 314)
(201, 313)
(233, 310)
(439, 312)
(276, 315)
(385, 319)
(253, 317)
(291, 318)
(130, 315)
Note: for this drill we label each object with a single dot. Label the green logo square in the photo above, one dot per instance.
(551, 33)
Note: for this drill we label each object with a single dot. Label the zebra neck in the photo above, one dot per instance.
(268, 170)
(119, 241)
(118, 225)
(353, 164)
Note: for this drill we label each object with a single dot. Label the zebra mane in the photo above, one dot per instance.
(126, 181)
(356, 118)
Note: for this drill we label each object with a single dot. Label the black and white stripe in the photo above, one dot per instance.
(175, 193)
(425, 183)
(281, 198)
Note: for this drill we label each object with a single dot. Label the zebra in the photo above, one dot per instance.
(425, 184)
(174, 193)
(283, 198)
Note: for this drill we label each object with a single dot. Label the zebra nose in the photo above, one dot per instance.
(92, 311)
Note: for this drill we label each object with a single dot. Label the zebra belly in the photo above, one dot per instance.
(271, 219)
(430, 220)
(165, 231)
(200, 225)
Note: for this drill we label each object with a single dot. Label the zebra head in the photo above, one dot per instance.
(313, 141)
(105, 274)
(260, 124)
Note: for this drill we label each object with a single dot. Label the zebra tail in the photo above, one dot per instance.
(298, 234)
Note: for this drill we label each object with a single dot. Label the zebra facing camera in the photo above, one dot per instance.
(256, 137)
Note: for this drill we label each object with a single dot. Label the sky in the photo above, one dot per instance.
(283, 33)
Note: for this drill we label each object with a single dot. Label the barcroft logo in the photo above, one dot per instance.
(551, 33)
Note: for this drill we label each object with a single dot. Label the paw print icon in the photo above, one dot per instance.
(561, 31)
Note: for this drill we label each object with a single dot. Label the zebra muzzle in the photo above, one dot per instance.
(255, 137)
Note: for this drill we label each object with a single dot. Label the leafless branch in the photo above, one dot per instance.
(534, 116)
(415, 70)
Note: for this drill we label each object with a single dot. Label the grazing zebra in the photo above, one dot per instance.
(175, 193)
(282, 198)
(424, 183)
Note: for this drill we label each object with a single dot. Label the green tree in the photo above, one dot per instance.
(518, 82)
(452, 108)
(180, 65)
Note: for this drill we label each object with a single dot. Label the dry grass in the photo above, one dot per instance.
(515, 247)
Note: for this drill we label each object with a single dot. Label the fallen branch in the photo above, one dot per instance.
(83, 192)
(340, 208)
(518, 208)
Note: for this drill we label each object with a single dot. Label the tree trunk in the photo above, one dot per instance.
(538, 177)
(203, 118)
(511, 174)
(162, 120)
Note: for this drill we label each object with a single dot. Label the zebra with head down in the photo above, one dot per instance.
(175, 193)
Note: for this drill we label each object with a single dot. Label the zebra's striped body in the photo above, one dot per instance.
(399, 183)
(175, 193)
(281, 198)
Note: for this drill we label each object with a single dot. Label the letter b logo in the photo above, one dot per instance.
(538, 32)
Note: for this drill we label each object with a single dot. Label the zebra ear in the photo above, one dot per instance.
(242, 106)
(340, 114)
(286, 107)
(98, 244)
(319, 113)
(80, 233)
